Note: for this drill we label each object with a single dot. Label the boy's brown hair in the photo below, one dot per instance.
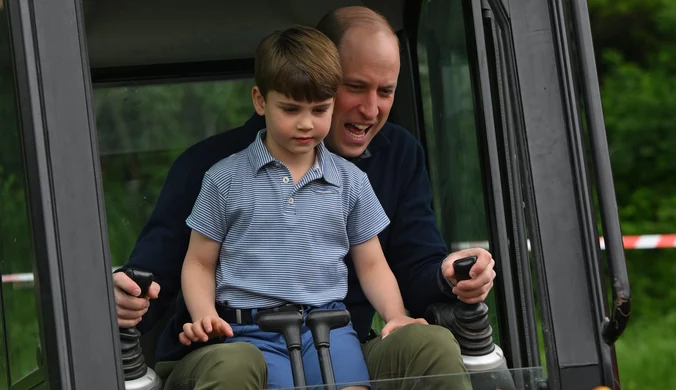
(299, 62)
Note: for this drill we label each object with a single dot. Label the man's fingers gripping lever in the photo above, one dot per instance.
(133, 290)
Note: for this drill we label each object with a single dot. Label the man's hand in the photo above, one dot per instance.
(476, 289)
(203, 329)
(130, 307)
(398, 322)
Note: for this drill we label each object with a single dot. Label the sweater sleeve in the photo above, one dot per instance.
(163, 241)
(416, 249)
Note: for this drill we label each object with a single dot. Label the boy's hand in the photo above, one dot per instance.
(203, 329)
(398, 322)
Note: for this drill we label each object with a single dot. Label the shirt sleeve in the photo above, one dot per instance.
(208, 214)
(367, 217)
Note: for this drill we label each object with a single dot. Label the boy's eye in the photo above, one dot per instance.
(289, 109)
(321, 109)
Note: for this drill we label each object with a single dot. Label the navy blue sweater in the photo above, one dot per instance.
(412, 243)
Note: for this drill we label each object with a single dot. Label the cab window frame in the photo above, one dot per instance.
(506, 307)
(54, 92)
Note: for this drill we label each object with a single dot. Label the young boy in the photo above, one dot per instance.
(272, 224)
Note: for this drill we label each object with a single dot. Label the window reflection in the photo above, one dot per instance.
(451, 131)
(21, 335)
(142, 130)
(450, 124)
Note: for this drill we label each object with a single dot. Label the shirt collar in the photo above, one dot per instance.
(259, 156)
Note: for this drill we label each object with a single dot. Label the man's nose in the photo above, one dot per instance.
(369, 106)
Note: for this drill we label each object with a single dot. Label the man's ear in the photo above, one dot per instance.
(258, 100)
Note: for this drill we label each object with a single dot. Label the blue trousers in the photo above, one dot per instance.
(349, 365)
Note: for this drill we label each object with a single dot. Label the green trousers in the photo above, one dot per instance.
(411, 352)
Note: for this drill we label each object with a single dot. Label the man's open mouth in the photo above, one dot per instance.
(358, 130)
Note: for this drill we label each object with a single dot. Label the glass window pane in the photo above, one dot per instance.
(3, 354)
(22, 338)
(450, 125)
(142, 130)
(520, 378)
(451, 129)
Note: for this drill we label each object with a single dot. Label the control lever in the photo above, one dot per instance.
(288, 323)
(473, 331)
(471, 323)
(320, 323)
(137, 375)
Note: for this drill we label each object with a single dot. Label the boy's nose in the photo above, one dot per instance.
(305, 123)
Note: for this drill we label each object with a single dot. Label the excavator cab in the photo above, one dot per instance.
(99, 97)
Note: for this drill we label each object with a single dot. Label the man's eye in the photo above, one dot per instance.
(387, 92)
(354, 87)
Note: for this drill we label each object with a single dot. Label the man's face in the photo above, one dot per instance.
(370, 62)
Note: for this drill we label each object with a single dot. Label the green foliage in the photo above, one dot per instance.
(652, 273)
(639, 105)
(142, 130)
(635, 43)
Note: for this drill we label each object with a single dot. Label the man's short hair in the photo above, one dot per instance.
(299, 62)
(336, 23)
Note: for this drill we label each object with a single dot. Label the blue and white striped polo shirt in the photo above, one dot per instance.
(282, 242)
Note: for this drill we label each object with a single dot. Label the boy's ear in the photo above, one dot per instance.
(258, 100)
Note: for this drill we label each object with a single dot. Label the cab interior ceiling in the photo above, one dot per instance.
(122, 33)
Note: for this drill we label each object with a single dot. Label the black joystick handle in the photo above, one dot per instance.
(320, 323)
(462, 268)
(143, 278)
(133, 363)
(288, 323)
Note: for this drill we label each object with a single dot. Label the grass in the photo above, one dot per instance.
(646, 353)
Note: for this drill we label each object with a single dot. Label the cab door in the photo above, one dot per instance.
(529, 64)
(512, 165)
(59, 334)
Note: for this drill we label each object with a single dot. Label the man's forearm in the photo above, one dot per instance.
(381, 289)
(199, 289)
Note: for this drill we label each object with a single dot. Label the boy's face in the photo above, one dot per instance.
(293, 127)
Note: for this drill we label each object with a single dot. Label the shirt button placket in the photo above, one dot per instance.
(289, 201)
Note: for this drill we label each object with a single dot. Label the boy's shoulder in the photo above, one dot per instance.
(228, 167)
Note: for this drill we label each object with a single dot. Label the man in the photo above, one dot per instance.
(416, 253)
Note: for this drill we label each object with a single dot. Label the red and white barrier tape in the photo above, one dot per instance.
(17, 278)
(645, 241)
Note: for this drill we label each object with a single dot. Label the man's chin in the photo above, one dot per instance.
(350, 153)
(344, 150)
